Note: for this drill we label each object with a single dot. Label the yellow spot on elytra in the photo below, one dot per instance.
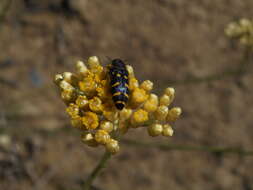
(118, 75)
(116, 94)
(116, 84)
(120, 102)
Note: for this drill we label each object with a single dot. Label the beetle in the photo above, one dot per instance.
(119, 83)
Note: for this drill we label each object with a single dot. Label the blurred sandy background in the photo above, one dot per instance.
(166, 41)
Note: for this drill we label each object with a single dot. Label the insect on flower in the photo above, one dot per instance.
(119, 83)
(104, 102)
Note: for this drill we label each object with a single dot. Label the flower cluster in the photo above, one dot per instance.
(91, 109)
(242, 30)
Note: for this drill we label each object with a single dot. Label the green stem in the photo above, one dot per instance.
(96, 170)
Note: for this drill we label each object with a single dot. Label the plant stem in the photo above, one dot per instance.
(96, 170)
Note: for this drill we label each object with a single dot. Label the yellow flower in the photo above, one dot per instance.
(112, 146)
(102, 136)
(174, 114)
(88, 85)
(139, 117)
(76, 122)
(72, 110)
(67, 95)
(167, 130)
(133, 83)
(151, 104)
(161, 113)
(155, 130)
(87, 94)
(89, 139)
(82, 102)
(241, 30)
(147, 85)
(106, 126)
(95, 104)
(90, 120)
(139, 96)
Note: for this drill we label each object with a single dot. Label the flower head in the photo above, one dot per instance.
(87, 94)
(241, 30)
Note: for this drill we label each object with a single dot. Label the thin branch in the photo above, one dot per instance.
(97, 170)
(173, 147)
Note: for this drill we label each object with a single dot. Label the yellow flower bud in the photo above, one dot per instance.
(133, 83)
(109, 112)
(147, 85)
(170, 92)
(87, 138)
(64, 85)
(167, 130)
(130, 70)
(174, 114)
(93, 61)
(139, 96)
(161, 113)
(125, 114)
(151, 104)
(155, 130)
(76, 122)
(67, 95)
(58, 78)
(81, 68)
(101, 136)
(72, 110)
(165, 100)
(95, 104)
(90, 120)
(103, 91)
(139, 117)
(112, 146)
(82, 102)
(107, 126)
(88, 85)
(67, 76)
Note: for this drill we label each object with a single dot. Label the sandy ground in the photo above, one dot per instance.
(166, 41)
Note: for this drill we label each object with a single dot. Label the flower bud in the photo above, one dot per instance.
(101, 136)
(64, 85)
(58, 78)
(139, 96)
(147, 85)
(87, 138)
(107, 126)
(112, 146)
(81, 68)
(139, 117)
(72, 110)
(95, 104)
(161, 113)
(151, 104)
(155, 130)
(82, 102)
(167, 130)
(174, 114)
(90, 120)
(125, 114)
